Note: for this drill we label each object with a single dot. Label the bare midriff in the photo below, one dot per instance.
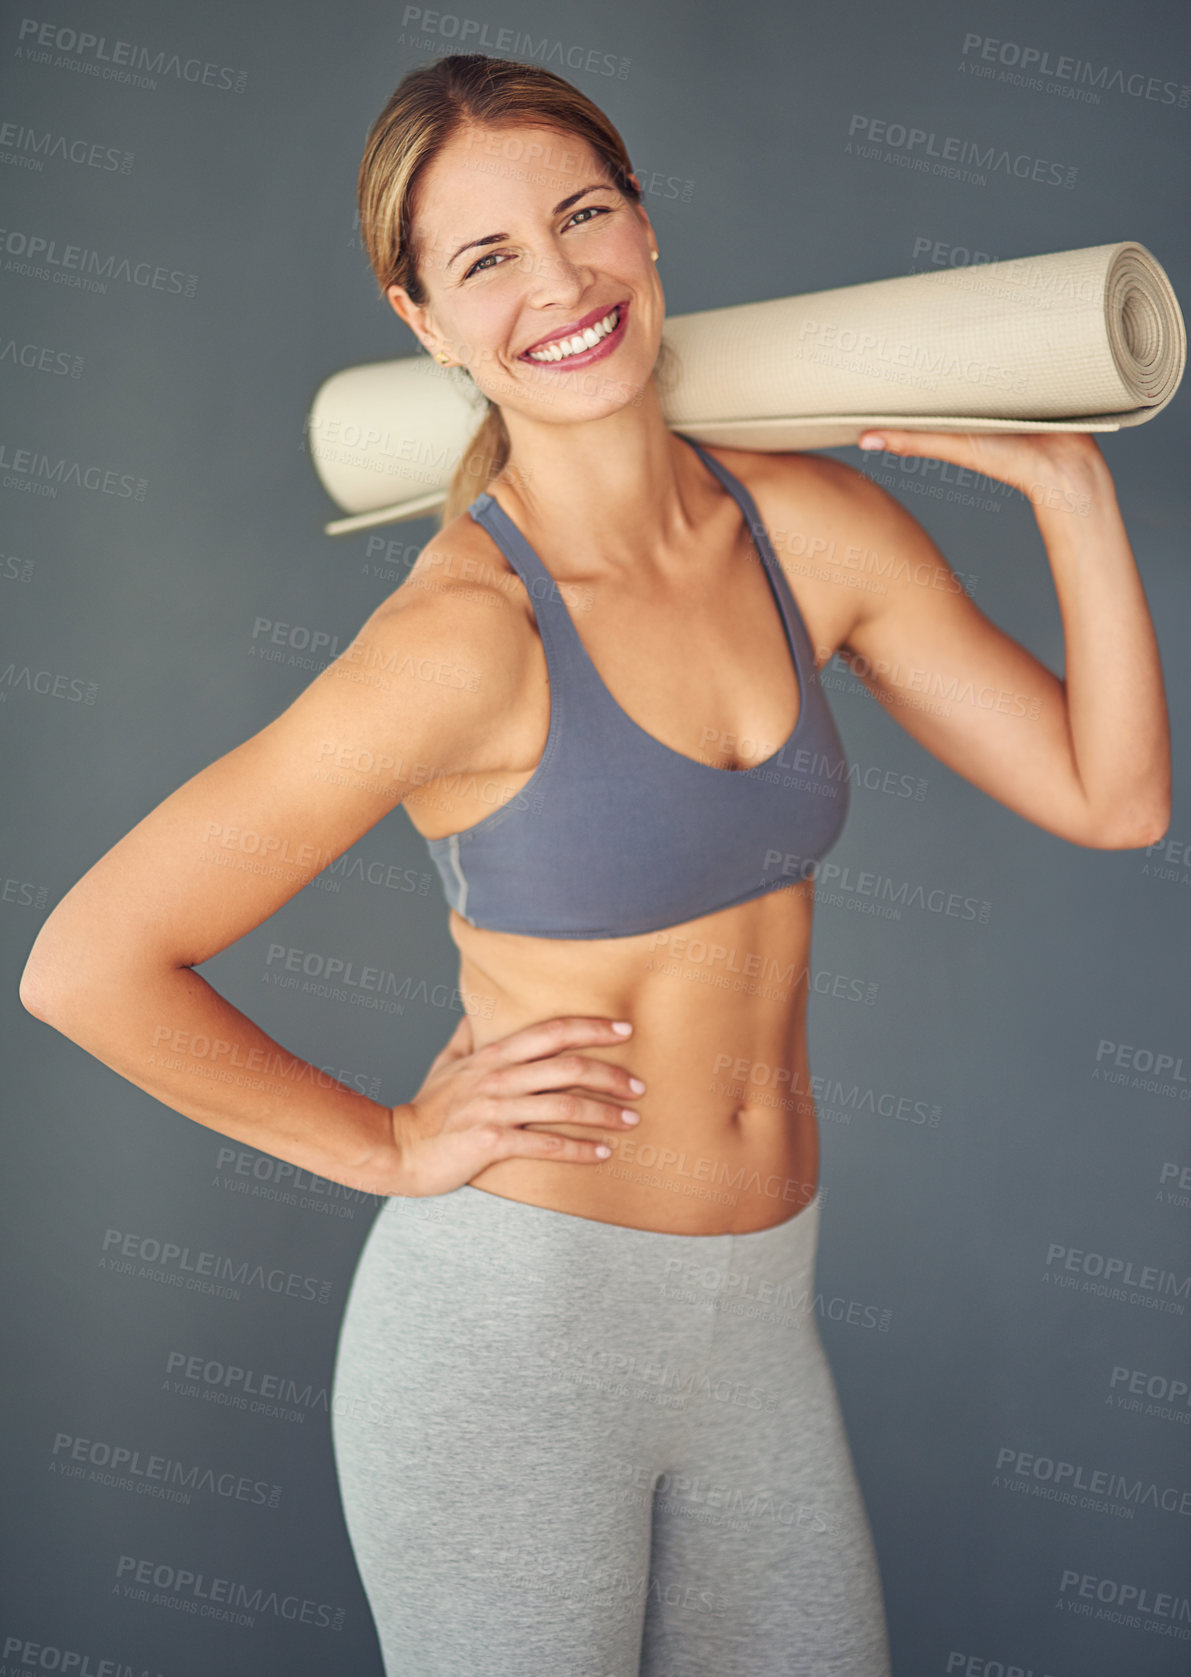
(728, 1134)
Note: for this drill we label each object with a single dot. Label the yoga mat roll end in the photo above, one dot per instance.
(1145, 326)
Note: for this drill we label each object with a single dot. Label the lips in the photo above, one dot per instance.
(561, 333)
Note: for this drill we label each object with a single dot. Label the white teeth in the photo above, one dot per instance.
(587, 339)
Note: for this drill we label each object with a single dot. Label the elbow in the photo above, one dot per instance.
(73, 974)
(1133, 829)
(52, 968)
(38, 991)
(34, 993)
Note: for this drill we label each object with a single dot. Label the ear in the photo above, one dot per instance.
(415, 315)
(399, 300)
(643, 216)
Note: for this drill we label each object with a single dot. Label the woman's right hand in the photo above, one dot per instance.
(471, 1106)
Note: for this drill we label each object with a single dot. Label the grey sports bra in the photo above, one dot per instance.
(615, 833)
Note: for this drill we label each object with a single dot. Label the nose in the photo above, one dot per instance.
(553, 279)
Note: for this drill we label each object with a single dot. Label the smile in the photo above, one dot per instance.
(580, 345)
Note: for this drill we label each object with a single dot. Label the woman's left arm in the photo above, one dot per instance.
(1086, 756)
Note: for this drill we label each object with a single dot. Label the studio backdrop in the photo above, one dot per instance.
(998, 1022)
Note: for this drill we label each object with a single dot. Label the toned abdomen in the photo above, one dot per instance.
(728, 1137)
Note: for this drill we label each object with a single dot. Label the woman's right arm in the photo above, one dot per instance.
(421, 691)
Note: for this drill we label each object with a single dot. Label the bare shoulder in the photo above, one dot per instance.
(802, 483)
(840, 499)
(848, 547)
(463, 570)
(824, 522)
(462, 600)
(458, 649)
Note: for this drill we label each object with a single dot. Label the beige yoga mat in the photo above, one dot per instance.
(1090, 339)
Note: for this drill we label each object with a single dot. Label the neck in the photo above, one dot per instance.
(600, 493)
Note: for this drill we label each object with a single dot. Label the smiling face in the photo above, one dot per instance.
(538, 273)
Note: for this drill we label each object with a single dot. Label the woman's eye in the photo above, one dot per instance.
(592, 209)
(478, 267)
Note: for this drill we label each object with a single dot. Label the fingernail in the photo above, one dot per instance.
(872, 439)
(629, 1116)
(636, 1085)
(603, 1152)
(621, 1026)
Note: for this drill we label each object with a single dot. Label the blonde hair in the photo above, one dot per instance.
(426, 109)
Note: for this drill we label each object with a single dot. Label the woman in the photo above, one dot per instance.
(583, 1421)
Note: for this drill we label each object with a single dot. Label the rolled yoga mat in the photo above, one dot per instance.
(1085, 340)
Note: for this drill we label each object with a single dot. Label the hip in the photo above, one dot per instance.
(473, 1284)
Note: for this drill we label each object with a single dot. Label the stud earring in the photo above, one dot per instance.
(441, 359)
(654, 255)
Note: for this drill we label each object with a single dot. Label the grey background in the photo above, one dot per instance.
(943, 1228)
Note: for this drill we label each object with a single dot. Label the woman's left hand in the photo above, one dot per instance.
(1034, 462)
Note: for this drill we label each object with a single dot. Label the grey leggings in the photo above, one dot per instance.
(571, 1449)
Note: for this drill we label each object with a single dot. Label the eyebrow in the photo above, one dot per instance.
(563, 204)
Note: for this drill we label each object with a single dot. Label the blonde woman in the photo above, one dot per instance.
(583, 1421)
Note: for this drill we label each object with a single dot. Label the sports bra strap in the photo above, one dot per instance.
(487, 510)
